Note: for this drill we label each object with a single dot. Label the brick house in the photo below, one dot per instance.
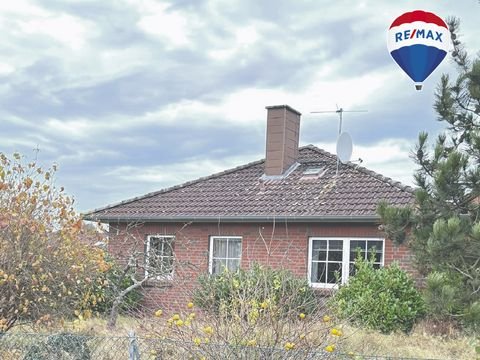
(297, 209)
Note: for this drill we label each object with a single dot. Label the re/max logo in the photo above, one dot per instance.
(418, 33)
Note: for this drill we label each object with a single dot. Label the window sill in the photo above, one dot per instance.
(163, 282)
(324, 292)
(320, 286)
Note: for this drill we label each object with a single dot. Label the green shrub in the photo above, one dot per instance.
(448, 299)
(441, 296)
(380, 299)
(240, 291)
(472, 316)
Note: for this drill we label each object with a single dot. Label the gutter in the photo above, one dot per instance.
(236, 219)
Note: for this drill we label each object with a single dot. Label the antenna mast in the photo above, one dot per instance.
(340, 112)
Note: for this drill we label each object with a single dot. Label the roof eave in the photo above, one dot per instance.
(241, 219)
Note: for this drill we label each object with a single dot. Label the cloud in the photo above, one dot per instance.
(170, 25)
(136, 180)
(66, 29)
(170, 91)
(389, 157)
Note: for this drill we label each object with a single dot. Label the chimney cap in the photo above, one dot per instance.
(274, 107)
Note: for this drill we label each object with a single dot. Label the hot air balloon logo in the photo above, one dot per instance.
(418, 42)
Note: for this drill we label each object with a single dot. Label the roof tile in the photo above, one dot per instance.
(241, 191)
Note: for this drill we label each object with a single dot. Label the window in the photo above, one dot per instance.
(225, 253)
(366, 247)
(159, 256)
(326, 261)
(331, 260)
(313, 170)
(312, 173)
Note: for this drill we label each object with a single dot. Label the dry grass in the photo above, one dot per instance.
(93, 326)
(419, 344)
(98, 326)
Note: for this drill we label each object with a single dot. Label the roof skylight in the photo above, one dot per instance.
(313, 171)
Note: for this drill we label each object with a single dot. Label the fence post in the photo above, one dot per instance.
(133, 351)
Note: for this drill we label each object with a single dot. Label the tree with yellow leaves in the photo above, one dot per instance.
(47, 268)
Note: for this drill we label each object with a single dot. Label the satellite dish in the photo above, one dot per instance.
(344, 147)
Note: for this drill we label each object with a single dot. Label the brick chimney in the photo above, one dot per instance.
(283, 130)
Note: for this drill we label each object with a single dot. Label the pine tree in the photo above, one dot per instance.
(443, 226)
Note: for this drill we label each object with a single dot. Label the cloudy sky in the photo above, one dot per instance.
(130, 96)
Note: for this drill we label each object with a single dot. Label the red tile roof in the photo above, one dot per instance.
(244, 194)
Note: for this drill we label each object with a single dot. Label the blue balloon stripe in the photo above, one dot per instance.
(418, 61)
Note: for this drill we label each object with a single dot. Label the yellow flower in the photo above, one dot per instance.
(191, 316)
(253, 316)
(330, 348)
(264, 305)
(208, 330)
(336, 332)
(289, 346)
(351, 354)
(302, 336)
(207, 340)
(252, 342)
(153, 352)
(176, 317)
(190, 305)
(87, 314)
(301, 316)
(197, 341)
(326, 318)
(158, 313)
(179, 323)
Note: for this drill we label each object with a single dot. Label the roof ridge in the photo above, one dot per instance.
(175, 187)
(366, 171)
(318, 150)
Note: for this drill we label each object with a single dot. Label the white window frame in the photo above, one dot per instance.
(345, 257)
(147, 257)
(210, 255)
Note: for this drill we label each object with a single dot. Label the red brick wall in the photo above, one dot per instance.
(279, 246)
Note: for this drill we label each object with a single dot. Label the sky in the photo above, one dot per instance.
(132, 96)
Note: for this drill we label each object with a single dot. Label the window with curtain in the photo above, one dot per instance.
(225, 253)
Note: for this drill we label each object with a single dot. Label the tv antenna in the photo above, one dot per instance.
(344, 141)
(340, 112)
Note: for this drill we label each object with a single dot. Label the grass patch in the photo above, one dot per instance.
(95, 326)
(420, 343)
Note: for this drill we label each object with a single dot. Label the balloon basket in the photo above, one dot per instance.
(418, 87)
